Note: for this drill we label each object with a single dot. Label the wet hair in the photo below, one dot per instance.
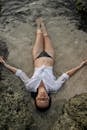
(33, 95)
(43, 109)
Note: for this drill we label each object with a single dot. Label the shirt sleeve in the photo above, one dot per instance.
(19, 73)
(61, 80)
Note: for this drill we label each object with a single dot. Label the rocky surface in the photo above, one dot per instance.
(75, 114)
(17, 35)
(81, 7)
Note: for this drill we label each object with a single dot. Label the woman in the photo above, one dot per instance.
(43, 80)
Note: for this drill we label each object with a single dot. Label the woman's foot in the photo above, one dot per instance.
(43, 27)
(38, 25)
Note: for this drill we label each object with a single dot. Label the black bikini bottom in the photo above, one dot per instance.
(44, 54)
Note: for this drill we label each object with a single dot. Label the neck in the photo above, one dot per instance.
(41, 87)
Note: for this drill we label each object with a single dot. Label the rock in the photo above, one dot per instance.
(15, 110)
(3, 49)
(65, 122)
(75, 114)
(77, 109)
(3, 52)
(81, 6)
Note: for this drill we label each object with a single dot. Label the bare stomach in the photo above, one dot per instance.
(43, 61)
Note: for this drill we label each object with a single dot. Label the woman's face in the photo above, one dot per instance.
(42, 99)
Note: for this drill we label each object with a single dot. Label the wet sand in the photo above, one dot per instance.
(70, 49)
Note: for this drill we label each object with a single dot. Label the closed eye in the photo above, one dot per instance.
(44, 99)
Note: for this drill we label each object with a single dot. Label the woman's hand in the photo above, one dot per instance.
(74, 70)
(84, 62)
(9, 67)
(2, 60)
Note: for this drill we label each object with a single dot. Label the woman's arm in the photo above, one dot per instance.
(16, 71)
(74, 70)
(11, 68)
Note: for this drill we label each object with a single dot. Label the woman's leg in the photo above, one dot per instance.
(38, 46)
(47, 41)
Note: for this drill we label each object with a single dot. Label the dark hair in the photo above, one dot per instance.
(44, 109)
(33, 95)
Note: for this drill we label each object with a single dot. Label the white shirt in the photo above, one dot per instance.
(45, 74)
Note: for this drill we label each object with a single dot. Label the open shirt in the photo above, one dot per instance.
(45, 74)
